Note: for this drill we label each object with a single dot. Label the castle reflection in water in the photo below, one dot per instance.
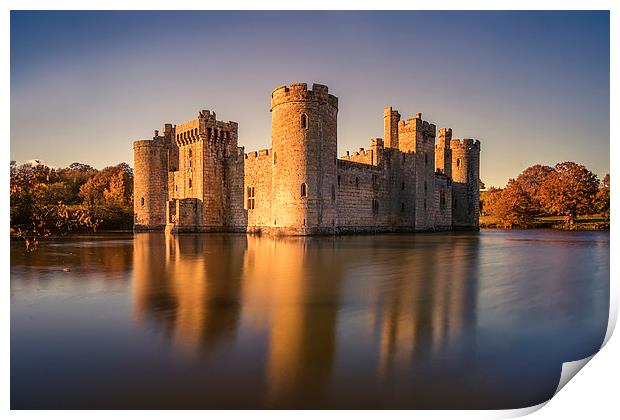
(319, 305)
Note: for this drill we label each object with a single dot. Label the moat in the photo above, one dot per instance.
(444, 320)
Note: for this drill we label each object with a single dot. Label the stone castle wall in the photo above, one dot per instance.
(304, 132)
(151, 181)
(418, 136)
(258, 194)
(465, 185)
(360, 186)
(442, 203)
(196, 178)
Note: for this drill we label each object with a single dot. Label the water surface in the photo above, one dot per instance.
(450, 320)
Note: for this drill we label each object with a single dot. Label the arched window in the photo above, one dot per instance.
(304, 189)
(425, 159)
(190, 153)
(274, 158)
(357, 182)
(402, 207)
(458, 162)
(375, 207)
(304, 121)
(333, 193)
(142, 201)
(190, 183)
(402, 186)
(425, 186)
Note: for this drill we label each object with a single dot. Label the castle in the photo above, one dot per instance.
(194, 177)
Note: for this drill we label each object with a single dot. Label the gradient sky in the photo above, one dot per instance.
(532, 86)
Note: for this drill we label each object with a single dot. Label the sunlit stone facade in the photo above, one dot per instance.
(195, 177)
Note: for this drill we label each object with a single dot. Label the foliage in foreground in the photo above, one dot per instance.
(47, 201)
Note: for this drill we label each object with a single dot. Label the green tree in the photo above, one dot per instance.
(74, 176)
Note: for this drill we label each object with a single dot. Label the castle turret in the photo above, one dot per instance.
(391, 119)
(418, 136)
(173, 149)
(443, 154)
(304, 139)
(465, 186)
(150, 183)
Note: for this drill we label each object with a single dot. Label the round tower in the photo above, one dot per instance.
(150, 184)
(466, 182)
(304, 141)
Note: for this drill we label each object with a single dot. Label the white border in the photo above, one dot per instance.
(593, 394)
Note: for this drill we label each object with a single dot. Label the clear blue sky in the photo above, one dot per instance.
(532, 86)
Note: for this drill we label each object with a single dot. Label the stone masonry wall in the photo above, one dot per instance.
(196, 178)
(418, 136)
(304, 131)
(465, 176)
(443, 153)
(359, 186)
(150, 184)
(236, 213)
(442, 203)
(258, 174)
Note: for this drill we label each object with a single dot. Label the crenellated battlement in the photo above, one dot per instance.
(445, 133)
(299, 92)
(361, 153)
(408, 180)
(417, 124)
(156, 141)
(205, 127)
(467, 144)
(376, 142)
(207, 115)
(258, 154)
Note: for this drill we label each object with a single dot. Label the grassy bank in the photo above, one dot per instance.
(593, 222)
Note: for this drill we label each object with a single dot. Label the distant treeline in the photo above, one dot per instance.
(567, 190)
(49, 201)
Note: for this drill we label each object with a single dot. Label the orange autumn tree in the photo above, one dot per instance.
(531, 181)
(520, 202)
(108, 196)
(570, 190)
(603, 200)
(512, 206)
(38, 205)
